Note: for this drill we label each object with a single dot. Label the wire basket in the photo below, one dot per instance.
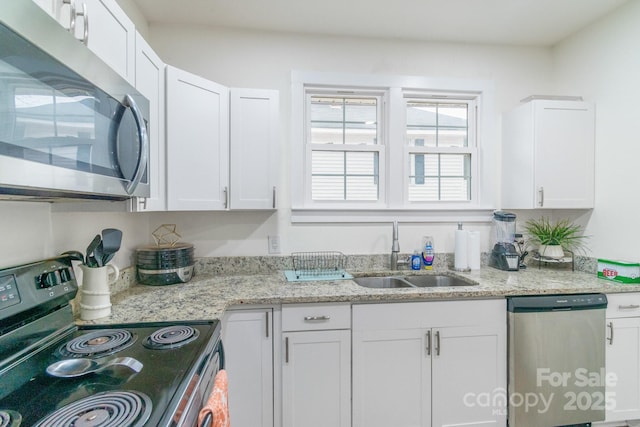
(316, 264)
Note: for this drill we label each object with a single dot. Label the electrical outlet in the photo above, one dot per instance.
(274, 244)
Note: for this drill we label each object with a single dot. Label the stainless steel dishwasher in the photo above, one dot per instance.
(556, 360)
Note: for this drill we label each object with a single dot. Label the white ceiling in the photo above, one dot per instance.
(513, 22)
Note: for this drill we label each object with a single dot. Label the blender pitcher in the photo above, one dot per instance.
(504, 255)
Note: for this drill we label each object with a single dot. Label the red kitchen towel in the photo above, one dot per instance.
(217, 404)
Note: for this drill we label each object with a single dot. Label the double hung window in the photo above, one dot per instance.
(389, 147)
(344, 147)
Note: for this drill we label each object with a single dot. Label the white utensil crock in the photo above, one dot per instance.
(95, 294)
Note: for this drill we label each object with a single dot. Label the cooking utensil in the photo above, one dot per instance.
(98, 253)
(111, 241)
(69, 368)
(74, 255)
(90, 260)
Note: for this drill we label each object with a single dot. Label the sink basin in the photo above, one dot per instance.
(436, 280)
(382, 282)
(418, 281)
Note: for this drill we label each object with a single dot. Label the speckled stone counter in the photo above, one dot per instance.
(207, 296)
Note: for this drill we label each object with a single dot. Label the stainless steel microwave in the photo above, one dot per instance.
(70, 126)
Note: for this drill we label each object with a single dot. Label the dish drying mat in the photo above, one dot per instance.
(316, 266)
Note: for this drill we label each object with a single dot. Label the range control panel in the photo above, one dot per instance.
(8, 291)
(47, 283)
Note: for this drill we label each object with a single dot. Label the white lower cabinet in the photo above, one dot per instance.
(247, 336)
(316, 369)
(623, 357)
(429, 364)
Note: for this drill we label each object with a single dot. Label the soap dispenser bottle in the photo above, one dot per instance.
(428, 254)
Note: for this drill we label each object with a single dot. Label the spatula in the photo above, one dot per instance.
(111, 240)
(90, 260)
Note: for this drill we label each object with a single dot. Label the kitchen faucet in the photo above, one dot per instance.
(395, 249)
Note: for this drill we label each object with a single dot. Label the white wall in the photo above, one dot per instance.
(265, 60)
(603, 64)
(598, 64)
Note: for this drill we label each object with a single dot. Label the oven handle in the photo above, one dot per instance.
(143, 137)
(207, 421)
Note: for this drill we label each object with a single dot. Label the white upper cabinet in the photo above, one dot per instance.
(103, 26)
(254, 148)
(221, 154)
(549, 155)
(197, 142)
(150, 83)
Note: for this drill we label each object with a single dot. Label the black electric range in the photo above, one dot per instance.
(176, 362)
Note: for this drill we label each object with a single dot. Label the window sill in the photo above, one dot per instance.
(315, 215)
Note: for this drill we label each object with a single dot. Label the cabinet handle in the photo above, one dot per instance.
(610, 339)
(428, 337)
(286, 350)
(142, 201)
(85, 18)
(437, 346)
(274, 197)
(316, 318)
(628, 307)
(226, 197)
(541, 198)
(267, 327)
(72, 15)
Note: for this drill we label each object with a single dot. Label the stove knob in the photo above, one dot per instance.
(65, 275)
(47, 280)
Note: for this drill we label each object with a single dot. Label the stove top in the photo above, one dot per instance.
(179, 360)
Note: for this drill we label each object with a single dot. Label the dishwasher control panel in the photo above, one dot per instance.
(537, 303)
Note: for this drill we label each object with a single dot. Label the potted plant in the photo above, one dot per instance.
(554, 239)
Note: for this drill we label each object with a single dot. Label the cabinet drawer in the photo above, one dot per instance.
(313, 317)
(623, 305)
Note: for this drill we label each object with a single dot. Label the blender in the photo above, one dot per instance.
(504, 255)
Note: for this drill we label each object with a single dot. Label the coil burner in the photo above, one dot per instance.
(98, 343)
(112, 408)
(10, 418)
(171, 337)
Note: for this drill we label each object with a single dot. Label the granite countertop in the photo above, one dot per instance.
(207, 297)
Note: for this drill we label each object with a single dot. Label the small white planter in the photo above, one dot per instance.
(551, 251)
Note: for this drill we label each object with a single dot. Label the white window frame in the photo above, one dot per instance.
(380, 148)
(393, 201)
(471, 148)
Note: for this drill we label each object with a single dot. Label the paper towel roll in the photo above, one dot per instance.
(461, 252)
(473, 244)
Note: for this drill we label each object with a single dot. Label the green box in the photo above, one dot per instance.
(619, 271)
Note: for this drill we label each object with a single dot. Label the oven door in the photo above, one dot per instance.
(61, 134)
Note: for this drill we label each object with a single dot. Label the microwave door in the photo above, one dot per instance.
(130, 144)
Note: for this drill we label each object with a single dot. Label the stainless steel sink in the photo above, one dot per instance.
(382, 282)
(418, 281)
(436, 280)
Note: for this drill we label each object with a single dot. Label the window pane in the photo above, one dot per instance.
(432, 124)
(434, 177)
(339, 175)
(337, 120)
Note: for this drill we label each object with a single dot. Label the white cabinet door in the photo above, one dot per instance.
(150, 83)
(247, 336)
(623, 361)
(103, 26)
(254, 148)
(110, 34)
(406, 374)
(391, 378)
(468, 366)
(549, 155)
(197, 142)
(316, 379)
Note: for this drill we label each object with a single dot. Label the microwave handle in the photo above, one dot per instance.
(144, 143)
